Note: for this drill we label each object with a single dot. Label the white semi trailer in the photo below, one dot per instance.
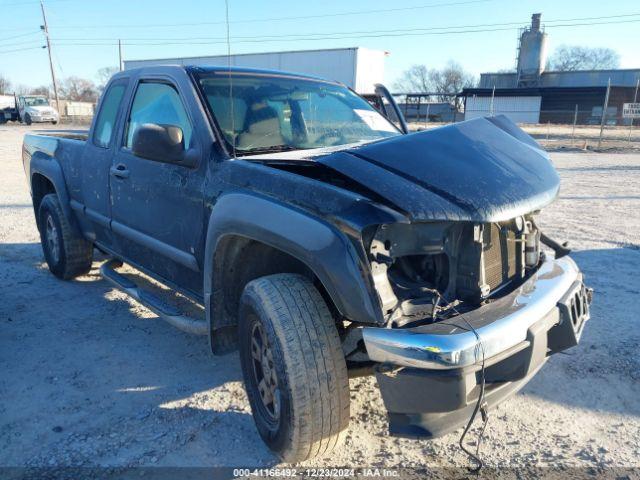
(358, 68)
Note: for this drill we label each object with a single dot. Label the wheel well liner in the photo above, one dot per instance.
(40, 186)
(238, 261)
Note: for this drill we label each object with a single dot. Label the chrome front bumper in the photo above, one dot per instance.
(502, 324)
(44, 118)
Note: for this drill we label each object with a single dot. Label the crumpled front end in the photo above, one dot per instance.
(460, 295)
(481, 170)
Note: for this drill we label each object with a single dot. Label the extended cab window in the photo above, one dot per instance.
(108, 115)
(158, 103)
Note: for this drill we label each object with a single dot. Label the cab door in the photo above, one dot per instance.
(93, 201)
(158, 207)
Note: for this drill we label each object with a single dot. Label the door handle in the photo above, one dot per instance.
(120, 171)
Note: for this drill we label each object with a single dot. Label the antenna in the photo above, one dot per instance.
(120, 64)
(231, 109)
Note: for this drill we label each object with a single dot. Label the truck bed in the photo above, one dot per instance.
(65, 146)
(81, 135)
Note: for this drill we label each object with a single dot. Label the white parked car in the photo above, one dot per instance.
(36, 109)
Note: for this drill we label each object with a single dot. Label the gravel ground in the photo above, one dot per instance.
(89, 377)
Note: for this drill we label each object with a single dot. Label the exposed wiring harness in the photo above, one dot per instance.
(480, 406)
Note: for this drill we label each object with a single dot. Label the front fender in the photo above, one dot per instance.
(326, 251)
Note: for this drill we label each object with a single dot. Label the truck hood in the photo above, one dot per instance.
(484, 170)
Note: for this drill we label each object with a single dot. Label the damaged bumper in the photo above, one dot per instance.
(429, 376)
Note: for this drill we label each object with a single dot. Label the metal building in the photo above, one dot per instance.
(519, 108)
(357, 67)
(549, 104)
(533, 95)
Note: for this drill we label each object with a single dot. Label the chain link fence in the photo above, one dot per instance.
(569, 130)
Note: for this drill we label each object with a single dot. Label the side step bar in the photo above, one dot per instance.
(152, 302)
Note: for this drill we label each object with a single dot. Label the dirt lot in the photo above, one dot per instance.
(89, 377)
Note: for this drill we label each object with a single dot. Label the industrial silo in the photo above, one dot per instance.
(532, 53)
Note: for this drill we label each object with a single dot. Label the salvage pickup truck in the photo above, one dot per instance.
(323, 242)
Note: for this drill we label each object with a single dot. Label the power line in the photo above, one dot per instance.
(22, 49)
(325, 36)
(20, 4)
(277, 19)
(348, 34)
(26, 42)
(20, 36)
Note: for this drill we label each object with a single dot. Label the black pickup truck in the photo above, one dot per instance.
(323, 242)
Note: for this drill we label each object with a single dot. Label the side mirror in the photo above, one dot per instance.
(163, 143)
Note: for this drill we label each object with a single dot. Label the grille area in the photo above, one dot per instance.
(499, 251)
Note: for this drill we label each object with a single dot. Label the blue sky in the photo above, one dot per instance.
(74, 23)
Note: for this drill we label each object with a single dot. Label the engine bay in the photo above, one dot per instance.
(423, 271)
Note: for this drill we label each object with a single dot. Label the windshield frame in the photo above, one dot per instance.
(233, 152)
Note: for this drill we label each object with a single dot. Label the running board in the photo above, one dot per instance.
(152, 302)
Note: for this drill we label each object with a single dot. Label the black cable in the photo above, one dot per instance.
(481, 405)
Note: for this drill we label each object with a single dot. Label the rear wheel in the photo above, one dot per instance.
(293, 367)
(68, 255)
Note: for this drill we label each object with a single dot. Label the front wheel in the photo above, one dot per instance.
(27, 119)
(68, 255)
(294, 370)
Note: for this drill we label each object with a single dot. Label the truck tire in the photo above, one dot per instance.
(68, 255)
(294, 370)
(27, 119)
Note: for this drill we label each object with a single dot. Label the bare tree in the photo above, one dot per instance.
(78, 89)
(21, 89)
(41, 90)
(5, 85)
(104, 75)
(568, 57)
(450, 79)
(414, 80)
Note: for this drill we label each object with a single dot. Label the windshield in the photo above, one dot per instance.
(35, 101)
(264, 113)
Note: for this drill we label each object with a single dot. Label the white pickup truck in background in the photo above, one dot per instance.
(27, 109)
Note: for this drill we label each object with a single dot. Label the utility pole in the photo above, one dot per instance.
(604, 112)
(120, 54)
(573, 130)
(45, 29)
(493, 93)
(635, 99)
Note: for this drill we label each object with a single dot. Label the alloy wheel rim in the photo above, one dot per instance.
(264, 372)
(52, 239)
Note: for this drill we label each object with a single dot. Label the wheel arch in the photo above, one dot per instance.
(271, 237)
(47, 177)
